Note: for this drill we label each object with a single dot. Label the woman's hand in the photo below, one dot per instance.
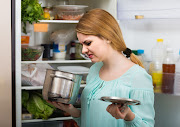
(120, 112)
(69, 108)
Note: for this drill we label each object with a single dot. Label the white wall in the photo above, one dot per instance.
(161, 20)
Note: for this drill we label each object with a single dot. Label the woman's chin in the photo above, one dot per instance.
(94, 60)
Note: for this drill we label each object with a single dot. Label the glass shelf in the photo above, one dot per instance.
(58, 21)
(148, 19)
(41, 87)
(51, 119)
(57, 61)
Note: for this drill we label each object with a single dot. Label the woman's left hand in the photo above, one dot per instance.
(120, 112)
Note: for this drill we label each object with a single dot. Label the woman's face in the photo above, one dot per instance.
(95, 47)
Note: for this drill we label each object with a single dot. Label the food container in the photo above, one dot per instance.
(61, 86)
(31, 53)
(70, 12)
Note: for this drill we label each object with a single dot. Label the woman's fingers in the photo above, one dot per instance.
(117, 111)
(57, 105)
(112, 109)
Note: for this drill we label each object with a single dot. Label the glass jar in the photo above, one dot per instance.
(78, 50)
(46, 13)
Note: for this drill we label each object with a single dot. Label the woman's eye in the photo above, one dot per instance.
(88, 43)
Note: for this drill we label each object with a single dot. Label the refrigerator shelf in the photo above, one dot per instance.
(41, 87)
(148, 19)
(57, 61)
(51, 119)
(58, 21)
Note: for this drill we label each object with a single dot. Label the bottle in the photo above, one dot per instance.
(142, 58)
(47, 51)
(155, 68)
(158, 52)
(72, 51)
(140, 55)
(177, 77)
(168, 72)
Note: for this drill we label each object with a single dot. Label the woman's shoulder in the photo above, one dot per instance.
(140, 78)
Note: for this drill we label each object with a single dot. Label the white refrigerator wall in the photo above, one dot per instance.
(161, 20)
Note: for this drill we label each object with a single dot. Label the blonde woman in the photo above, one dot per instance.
(116, 72)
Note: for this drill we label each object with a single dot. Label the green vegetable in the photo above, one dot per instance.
(36, 105)
(31, 11)
(30, 54)
(39, 107)
(25, 97)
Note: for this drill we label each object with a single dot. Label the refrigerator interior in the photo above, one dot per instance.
(37, 38)
(161, 20)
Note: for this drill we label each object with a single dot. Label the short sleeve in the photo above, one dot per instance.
(142, 90)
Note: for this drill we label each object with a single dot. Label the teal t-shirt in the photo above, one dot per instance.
(136, 84)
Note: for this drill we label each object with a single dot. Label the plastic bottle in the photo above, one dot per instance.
(158, 52)
(168, 72)
(141, 56)
(155, 68)
(177, 77)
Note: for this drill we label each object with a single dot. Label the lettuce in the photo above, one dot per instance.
(39, 107)
(25, 97)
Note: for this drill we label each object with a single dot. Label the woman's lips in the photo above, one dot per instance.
(90, 56)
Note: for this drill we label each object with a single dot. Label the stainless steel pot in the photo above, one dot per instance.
(61, 86)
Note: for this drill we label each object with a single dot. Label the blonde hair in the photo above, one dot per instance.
(99, 22)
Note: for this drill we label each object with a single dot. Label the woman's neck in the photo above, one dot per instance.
(115, 59)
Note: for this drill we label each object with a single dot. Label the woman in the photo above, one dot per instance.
(113, 74)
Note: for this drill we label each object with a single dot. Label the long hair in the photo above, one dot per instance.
(102, 24)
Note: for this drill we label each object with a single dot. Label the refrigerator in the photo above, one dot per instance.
(161, 20)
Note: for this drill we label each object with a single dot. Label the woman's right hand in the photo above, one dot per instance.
(69, 108)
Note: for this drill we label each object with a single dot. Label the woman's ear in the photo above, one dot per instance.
(108, 41)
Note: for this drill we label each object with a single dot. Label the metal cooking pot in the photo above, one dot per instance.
(61, 86)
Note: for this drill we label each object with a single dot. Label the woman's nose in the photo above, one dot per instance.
(84, 49)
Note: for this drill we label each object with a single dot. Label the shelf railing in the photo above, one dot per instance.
(58, 21)
(41, 87)
(51, 119)
(57, 61)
